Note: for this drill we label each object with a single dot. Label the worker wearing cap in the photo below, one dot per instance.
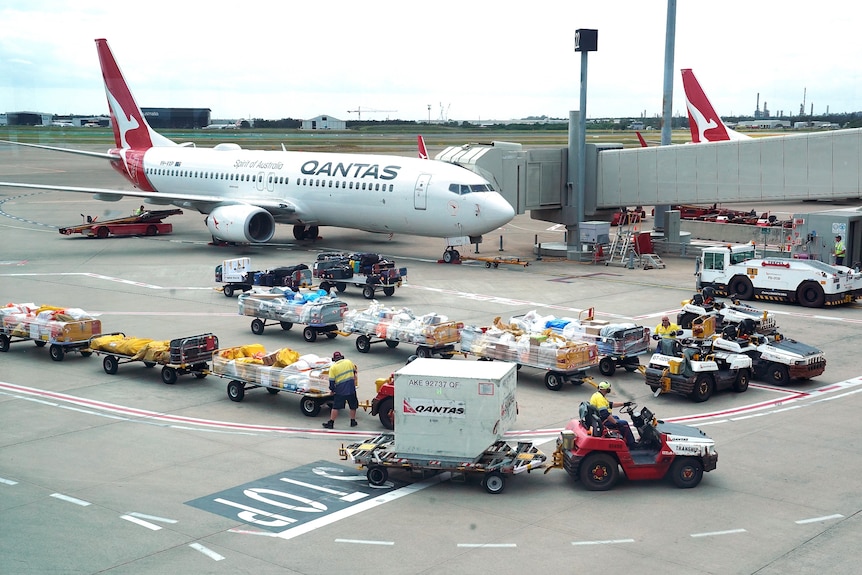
(342, 383)
(840, 251)
(601, 402)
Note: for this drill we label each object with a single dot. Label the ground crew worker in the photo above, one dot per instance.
(600, 402)
(666, 329)
(342, 382)
(840, 251)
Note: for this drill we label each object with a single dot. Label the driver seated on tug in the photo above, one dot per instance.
(609, 420)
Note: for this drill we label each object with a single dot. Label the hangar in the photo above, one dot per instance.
(183, 118)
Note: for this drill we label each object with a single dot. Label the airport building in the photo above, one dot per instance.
(183, 118)
(324, 123)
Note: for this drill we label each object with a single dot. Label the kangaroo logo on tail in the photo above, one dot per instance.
(705, 124)
(131, 130)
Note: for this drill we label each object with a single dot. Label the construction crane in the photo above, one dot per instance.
(359, 109)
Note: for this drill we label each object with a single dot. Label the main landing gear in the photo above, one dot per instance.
(306, 232)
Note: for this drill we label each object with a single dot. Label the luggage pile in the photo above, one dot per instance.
(283, 369)
(311, 308)
(542, 350)
(613, 339)
(48, 323)
(431, 329)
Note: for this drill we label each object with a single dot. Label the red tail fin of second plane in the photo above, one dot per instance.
(131, 130)
(704, 122)
(423, 151)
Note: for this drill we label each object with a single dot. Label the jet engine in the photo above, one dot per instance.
(241, 223)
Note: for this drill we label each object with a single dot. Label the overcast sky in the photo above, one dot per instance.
(467, 59)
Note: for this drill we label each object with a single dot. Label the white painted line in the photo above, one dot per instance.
(818, 519)
(208, 552)
(365, 542)
(364, 506)
(62, 497)
(141, 522)
(247, 532)
(8, 481)
(603, 542)
(151, 517)
(710, 534)
(488, 545)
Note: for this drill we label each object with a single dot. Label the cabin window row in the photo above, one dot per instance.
(316, 182)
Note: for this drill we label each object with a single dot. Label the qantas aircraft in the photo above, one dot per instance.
(705, 124)
(244, 193)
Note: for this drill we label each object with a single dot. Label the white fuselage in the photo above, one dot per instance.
(389, 194)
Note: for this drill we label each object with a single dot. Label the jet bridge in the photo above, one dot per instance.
(810, 166)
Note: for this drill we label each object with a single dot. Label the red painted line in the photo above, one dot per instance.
(167, 417)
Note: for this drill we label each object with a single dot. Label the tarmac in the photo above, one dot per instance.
(121, 473)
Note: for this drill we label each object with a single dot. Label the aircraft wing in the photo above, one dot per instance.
(102, 155)
(278, 207)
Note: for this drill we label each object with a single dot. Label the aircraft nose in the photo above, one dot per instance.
(497, 211)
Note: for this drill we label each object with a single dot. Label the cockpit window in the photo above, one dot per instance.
(462, 189)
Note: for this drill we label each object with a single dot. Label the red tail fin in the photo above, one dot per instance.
(704, 123)
(423, 151)
(641, 140)
(130, 128)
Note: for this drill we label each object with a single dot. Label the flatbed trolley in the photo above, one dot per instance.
(186, 355)
(497, 260)
(313, 393)
(319, 317)
(62, 337)
(494, 465)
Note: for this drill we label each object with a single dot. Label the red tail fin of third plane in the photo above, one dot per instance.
(423, 151)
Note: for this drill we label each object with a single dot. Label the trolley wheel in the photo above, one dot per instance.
(325, 286)
(494, 482)
(200, 374)
(386, 413)
(607, 366)
(57, 353)
(235, 390)
(110, 364)
(149, 364)
(257, 326)
(228, 291)
(496, 265)
(40, 343)
(388, 291)
(488, 265)
(272, 390)
(102, 232)
(85, 353)
(554, 380)
(423, 351)
(447, 355)
(363, 344)
(377, 475)
(4, 342)
(341, 286)
(391, 343)
(286, 325)
(368, 292)
(331, 335)
(309, 334)
(169, 375)
(309, 406)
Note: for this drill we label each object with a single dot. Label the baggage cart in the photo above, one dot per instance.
(237, 275)
(618, 344)
(496, 463)
(561, 359)
(368, 271)
(432, 333)
(64, 330)
(180, 356)
(317, 311)
(249, 367)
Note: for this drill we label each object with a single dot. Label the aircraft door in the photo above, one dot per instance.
(420, 194)
(260, 183)
(270, 182)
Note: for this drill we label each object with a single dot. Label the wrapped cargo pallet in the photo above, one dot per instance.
(49, 323)
(311, 308)
(283, 369)
(431, 329)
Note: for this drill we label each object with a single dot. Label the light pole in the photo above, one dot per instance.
(586, 41)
